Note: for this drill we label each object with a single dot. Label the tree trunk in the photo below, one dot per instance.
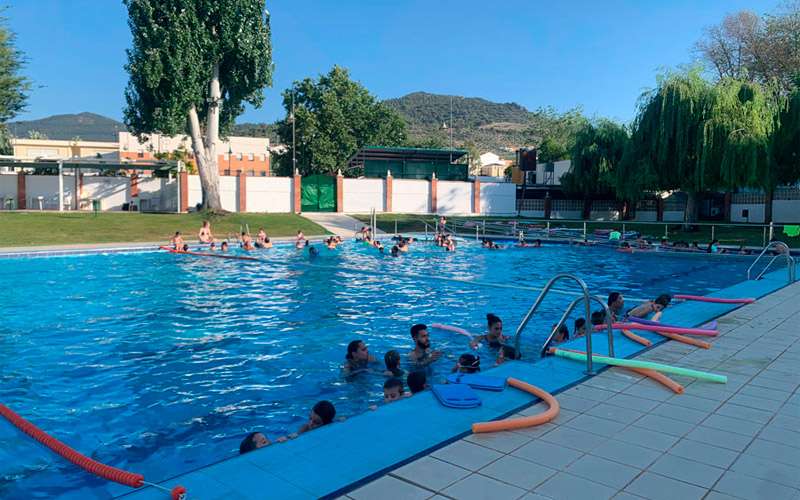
(690, 214)
(769, 194)
(207, 169)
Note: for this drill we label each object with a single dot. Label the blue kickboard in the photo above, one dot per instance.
(478, 381)
(456, 395)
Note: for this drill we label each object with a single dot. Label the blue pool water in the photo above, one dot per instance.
(160, 364)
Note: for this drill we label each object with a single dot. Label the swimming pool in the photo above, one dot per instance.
(160, 364)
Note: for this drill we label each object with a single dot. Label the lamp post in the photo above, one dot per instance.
(294, 149)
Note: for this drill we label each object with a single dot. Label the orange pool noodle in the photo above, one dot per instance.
(686, 340)
(522, 422)
(659, 377)
(636, 338)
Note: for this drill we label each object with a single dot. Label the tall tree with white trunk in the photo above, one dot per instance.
(193, 65)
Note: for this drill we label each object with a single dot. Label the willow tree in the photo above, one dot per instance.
(193, 65)
(785, 146)
(596, 153)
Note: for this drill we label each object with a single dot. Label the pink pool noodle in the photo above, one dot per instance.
(449, 328)
(718, 300)
(656, 328)
(711, 325)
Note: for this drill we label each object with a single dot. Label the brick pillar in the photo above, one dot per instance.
(476, 196)
(434, 192)
(660, 209)
(134, 184)
(388, 191)
(183, 179)
(339, 192)
(242, 185)
(296, 198)
(21, 191)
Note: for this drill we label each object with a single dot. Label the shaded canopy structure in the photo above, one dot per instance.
(410, 163)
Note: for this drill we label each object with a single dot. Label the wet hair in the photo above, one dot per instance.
(177, 233)
(392, 360)
(416, 329)
(491, 319)
(392, 383)
(325, 410)
(470, 362)
(663, 300)
(579, 323)
(416, 381)
(352, 347)
(564, 331)
(509, 352)
(213, 245)
(185, 247)
(248, 443)
(244, 233)
(612, 297)
(598, 317)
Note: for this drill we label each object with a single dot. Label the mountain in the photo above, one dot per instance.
(87, 126)
(490, 126)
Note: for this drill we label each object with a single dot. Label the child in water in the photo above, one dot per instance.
(392, 360)
(393, 390)
(467, 363)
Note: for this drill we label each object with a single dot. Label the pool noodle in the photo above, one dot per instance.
(717, 300)
(656, 376)
(449, 328)
(655, 328)
(711, 325)
(522, 422)
(631, 363)
(636, 338)
(206, 254)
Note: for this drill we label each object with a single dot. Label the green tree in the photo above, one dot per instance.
(333, 117)
(785, 146)
(554, 133)
(14, 86)
(595, 155)
(192, 66)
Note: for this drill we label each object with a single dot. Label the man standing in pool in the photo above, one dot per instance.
(422, 356)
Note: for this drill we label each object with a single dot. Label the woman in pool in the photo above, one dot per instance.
(253, 441)
(654, 307)
(247, 242)
(494, 335)
(300, 241)
(357, 359)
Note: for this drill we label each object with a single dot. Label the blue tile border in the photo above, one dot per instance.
(340, 458)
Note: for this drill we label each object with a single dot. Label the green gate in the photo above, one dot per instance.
(318, 193)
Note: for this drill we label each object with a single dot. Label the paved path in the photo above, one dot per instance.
(620, 436)
(339, 224)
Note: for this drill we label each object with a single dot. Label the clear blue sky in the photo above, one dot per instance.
(596, 54)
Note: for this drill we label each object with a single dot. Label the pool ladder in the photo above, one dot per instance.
(587, 298)
(790, 261)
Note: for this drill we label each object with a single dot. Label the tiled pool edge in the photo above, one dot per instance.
(272, 474)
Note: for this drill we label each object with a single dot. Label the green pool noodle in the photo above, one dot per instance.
(632, 363)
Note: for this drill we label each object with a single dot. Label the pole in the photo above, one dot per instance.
(60, 186)
(294, 148)
(666, 231)
(713, 232)
(584, 230)
(771, 231)
(395, 226)
(451, 129)
(764, 236)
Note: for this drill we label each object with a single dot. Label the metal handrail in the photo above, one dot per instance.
(586, 298)
(589, 326)
(790, 262)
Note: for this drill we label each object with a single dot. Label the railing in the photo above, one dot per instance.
(568, 311)
(587, 298)
(783, 250)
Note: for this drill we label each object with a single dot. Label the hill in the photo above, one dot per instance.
(488, 125)
(87, 126)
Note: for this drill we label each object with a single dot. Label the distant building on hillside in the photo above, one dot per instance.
(250, 155)
(493, 166)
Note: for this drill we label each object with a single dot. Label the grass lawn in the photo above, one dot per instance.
(53, 228)
(728, 235)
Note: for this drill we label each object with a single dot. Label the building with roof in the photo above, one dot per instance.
(410, 163)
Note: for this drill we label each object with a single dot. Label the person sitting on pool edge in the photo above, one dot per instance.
(416, 382)
(651, 306)
(357, 358)
(393, 390)
(616, 302)
(422, 356)
(205, 235)
(253, 441)
(494, 334)
(392, 360)
(177, 241)
(467, 363)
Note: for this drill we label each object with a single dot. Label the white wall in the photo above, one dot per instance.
(111, 191)
(786, 211)
(158, 194)
(270, 194)
(8, 189)
(195, 191)
(47, 187)
(362, 195)
(454, 197)
(498, 198)
(411, 196)
(229, 192)
(566, 209)
(756, 212)
(559, 168)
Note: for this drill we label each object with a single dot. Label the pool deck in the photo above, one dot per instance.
(617, 435)
(622, 436)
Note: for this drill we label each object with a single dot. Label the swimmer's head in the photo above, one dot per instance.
(469, 363)
(616, 301)
(213, 245)
(392, 360)
(419, 333)
(253, 441)
(661, 302)
(598, 317)
(185, 248)
(580, 326)
(495, 325)
(224, 245)
(357, 351)
(416, 381)
(392, 390)
(323, 413)
(508, 352)
(206, 224)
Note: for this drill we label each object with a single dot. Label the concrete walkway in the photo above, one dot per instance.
(336, 223)
(620, 436)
